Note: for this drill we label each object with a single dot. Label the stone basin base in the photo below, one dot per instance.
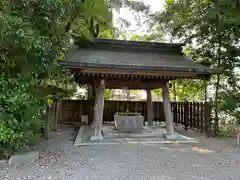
(129, 124)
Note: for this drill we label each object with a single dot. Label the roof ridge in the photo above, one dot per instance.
(137, 43)
(126, 45)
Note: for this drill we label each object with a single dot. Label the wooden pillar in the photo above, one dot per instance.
(54, 114)
(167, 109)
(149, 108)
(58, 110)
(91, 91)
(98, 111)
(47, 119)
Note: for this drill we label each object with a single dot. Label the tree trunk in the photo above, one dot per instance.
(215, 131)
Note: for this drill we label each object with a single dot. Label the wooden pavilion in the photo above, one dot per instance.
(114, 64)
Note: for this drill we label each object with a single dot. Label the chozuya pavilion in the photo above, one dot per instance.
(114, 64)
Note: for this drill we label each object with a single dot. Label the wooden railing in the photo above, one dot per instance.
(193, 115)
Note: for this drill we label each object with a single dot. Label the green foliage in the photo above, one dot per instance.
(108, 94)
(211, 31)
(33, 39)
(158, 92)
(230, 98)
(91, 13)
(154, 36)
(20, 111)
(34, 36)
(189, 90)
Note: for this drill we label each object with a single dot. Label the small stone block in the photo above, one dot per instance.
(84, 119)
(96, 138)
(171, 137)
(23, 158)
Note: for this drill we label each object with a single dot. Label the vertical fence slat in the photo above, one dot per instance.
(194, 116)
(176, 112)
(174, 105)
(191, 114)
(186, 115)
(207, 115)
(182, 114)
(145, 112)
(202, 117)
(198, 116)
(179, 113)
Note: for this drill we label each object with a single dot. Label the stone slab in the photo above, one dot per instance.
(84, 119)
(172, 137)
(149, 136)
(23, 158)
(79, 136)
(96, 138)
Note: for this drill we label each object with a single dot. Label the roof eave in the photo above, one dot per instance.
(81, 65)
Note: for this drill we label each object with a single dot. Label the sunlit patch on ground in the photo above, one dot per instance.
(201, 150)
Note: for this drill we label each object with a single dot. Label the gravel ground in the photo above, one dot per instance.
(212, 159)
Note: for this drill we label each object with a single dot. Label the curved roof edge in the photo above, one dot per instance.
(128, 45)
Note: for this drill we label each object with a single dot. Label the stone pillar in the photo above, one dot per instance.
(170, 135)
(149, 108)
(98, 111)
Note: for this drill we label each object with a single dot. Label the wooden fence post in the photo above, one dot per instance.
(198, 114)
(174, 107)
(53, 116)
(191, 114)
(182, 113)
(186, 115)
(194, 115)
(47, 119)
(57, 115)
(207, 115)
(202, 117)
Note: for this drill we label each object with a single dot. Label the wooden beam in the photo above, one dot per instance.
(98, 111)
(149, 108)
(133, 84)
(136, 72)
(167, 109)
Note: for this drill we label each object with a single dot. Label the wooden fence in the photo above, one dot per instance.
(192, 115)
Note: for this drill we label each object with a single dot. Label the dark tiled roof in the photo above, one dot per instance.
(134, 55)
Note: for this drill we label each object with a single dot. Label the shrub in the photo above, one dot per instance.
(20, 109)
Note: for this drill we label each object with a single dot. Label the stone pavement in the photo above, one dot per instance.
(60, 160)
(149, 135)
